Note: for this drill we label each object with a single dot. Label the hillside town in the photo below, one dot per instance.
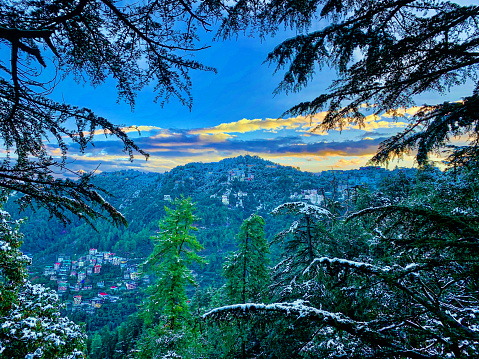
(88, 281)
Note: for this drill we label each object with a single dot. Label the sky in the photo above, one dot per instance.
(234, 113)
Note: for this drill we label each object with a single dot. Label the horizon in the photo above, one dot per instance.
(235, 112)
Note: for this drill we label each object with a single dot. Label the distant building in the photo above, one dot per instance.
(93, 251)
(77, 300)
(225, 199)
(130, 285)
(81, 276)
(134, 275)
(96, 302)
(62, 286)
(48, 271)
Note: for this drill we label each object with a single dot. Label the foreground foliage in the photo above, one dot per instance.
(168, 324)
(30, 322)
(412, 294)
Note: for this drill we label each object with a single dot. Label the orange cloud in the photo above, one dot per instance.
(373, 122)
(268, 124)
(351, 163)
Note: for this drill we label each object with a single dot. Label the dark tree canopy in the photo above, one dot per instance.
(136, 43)
(385, 52)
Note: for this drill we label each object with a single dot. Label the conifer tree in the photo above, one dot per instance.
(300, 243)
(168, 322)
(246, 270)
(30, 322)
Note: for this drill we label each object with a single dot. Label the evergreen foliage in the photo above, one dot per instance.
(246, 271)
(300, 243)
(397, 281)
(385, 53)
(136, 44)
(175, 250)
(31, 325)
(168, 323)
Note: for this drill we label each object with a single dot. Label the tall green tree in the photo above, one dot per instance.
(168, 321)
(246, 270)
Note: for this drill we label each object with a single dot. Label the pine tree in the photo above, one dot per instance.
(300, 243)
(168, 321)
(246, 270)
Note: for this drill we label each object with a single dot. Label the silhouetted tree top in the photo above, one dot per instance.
(385, 52)
(136, 43)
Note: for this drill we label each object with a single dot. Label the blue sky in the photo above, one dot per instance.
(234, 113)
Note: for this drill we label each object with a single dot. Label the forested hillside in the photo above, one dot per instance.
(303, 218)
(225, 194)
(357, 275)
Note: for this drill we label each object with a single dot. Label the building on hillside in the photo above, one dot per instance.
(96, 302)
(48, 270)
(225, 199)
(130, 285)
(62, 286)
(77, 300)
(93, 251)
(134, 275)
(81, 276)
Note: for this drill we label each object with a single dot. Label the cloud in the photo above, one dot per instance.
(268, 125)
(304, 124)
(373, 123)
(279, 139)
(351, 163)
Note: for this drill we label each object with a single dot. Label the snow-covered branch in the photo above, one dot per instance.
(299, 310)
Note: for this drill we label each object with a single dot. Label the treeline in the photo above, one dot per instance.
(387, 273)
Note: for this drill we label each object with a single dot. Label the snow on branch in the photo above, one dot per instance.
(301, 208)
(298, 310)
(365, 267)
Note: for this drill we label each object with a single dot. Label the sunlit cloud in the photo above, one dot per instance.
(354, 162)
(138, 129)
(267, 125)
(289, 141)
(374, 122)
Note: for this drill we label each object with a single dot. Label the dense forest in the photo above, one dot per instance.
(393, 264)
(380, 262)
(242, 258)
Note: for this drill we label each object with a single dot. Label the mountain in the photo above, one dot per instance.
(225, 193)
